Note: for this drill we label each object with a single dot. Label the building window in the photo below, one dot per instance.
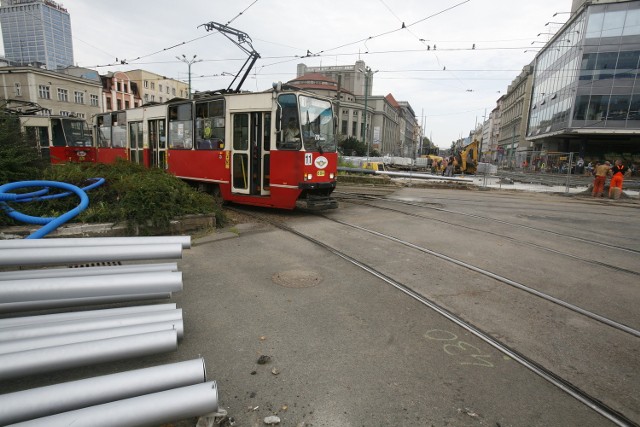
(109, 104)
(153, 86)
(44, 91)
(173, 91)
(118, 86)
(81, 115)
(119, 104)
(146, 84)
(153, 98)
(160, 99)
(168, 88)
(94, 100)
(146, 97)
(160, 88)
(63, 95)
(18, 89)
(125, 88)
(65, 113)
(79, 96)
(126, 105)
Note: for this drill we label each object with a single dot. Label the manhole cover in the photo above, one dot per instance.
(296, 279)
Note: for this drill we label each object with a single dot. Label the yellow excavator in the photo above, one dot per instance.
(468, 159)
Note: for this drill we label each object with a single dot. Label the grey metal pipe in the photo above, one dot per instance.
(54, 399)
(14, 307)
(89, 286)
(58, 317)
(87, 271)
(92, 324)
(47, 256)
(184, 241)
(16, 365)
(26, 344)
(151, 409)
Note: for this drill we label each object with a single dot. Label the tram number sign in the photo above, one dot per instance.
(308, 159)
(320, 173)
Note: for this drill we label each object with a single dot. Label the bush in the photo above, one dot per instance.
(145, 199)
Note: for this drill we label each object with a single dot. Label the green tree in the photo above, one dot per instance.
(19, 160)
(352, 147)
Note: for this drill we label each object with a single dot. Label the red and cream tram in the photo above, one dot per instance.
(60, 139)
(272, 149)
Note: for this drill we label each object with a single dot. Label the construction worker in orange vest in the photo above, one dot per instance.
(618, 171)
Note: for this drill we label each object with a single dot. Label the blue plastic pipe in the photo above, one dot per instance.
(49, 224)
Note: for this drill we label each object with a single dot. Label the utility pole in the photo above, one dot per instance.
(366, 98)
(189, 62)
(367, 75)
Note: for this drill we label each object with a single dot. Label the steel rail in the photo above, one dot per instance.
(547, 297)
(500, 221)
(535, 245)
(564, 385)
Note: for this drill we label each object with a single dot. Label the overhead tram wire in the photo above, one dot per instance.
(176, 45)
(396, 30)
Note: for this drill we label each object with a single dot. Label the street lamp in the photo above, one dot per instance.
(367, 75)
(189, 62)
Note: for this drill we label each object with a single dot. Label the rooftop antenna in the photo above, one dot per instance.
(244, 43)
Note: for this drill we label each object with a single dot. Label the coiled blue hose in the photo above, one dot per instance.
(49, 224)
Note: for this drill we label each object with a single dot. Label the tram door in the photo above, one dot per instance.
(39, 136)
(136, 147)
(250, 153)
(157, 144)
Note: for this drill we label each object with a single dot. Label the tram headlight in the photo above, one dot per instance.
(309, 177)
(331, 176)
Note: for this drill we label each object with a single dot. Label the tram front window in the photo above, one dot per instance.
(77, 133)
(317, 125)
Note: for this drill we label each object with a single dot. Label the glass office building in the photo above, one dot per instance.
(586, 90)
(36, 32)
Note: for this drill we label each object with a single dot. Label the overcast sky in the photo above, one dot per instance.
(450, 87)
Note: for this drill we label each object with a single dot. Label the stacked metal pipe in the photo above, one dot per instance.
(43, 343)
(141, 397)
(46, 343)
(65, 287)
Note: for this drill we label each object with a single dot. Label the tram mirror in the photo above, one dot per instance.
(278, 119)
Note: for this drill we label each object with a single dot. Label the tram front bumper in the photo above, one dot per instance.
(316, 196)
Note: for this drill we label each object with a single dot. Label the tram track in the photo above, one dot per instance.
(504, 222)
(499, 278)
(512, 239)
(559, 382)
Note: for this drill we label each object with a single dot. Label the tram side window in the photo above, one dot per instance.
(119, 130)
(104, 131)
(77, 133)
(181, 126)
(210, 125)
(289, 135)
(57, 133)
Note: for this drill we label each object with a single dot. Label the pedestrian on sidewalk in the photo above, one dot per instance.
(601, 171)
(618, 173)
